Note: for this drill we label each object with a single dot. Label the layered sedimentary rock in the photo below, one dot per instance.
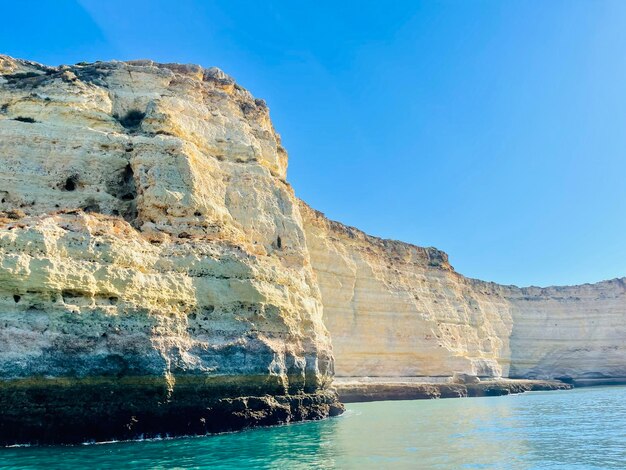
(397, 310)
(154, 276)
(571, 332)
(394, 309)
(158, 275)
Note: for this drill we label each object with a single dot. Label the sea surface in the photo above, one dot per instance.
(577, 429)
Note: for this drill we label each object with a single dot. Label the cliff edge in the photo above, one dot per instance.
(159, 276)
(397, 310)
(154, 276)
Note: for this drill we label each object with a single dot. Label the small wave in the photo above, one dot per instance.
(142, 438)
(349, 413)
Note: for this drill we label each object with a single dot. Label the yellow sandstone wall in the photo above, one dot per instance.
(146, 230)
(394, 309)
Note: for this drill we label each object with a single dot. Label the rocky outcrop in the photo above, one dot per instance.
(394, 309)
(410, 388)
(397, 310)
(154, 276)
(575, 332)
(158, 275)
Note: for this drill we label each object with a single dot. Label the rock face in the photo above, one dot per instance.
(154, 276)
(397, 310)
(407, 388)
(158, 275)
(573, 332)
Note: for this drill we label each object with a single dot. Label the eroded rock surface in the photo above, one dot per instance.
(411, 388)
(574, 332)
(397, 310)
(158, 275)
(394, 309)
(154, 276)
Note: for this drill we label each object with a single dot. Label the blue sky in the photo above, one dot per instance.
(493, 130)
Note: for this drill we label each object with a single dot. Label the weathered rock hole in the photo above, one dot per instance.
(17, 298)
(124, 189)
(69, 295)
(15, 214)
(24, 119)
(132, 119)
(70, 183)
(279, 242)
(128, 175)
(92, 206)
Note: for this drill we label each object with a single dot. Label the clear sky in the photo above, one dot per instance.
(494, 130)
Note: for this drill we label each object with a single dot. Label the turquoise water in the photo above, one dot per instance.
(578, 429)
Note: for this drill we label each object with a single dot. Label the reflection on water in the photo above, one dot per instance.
(579, 429)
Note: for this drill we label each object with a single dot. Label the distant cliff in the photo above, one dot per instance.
(572, 332)
(394, 309)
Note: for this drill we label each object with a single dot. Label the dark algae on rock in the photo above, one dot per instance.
(55, 411)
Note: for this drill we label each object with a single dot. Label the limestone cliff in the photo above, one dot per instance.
(394, 309)
(572, 332)
(154, 276)
(158, 275)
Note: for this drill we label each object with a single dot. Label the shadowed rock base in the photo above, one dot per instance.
(66, 411)
(353, 391)
(599, 381)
